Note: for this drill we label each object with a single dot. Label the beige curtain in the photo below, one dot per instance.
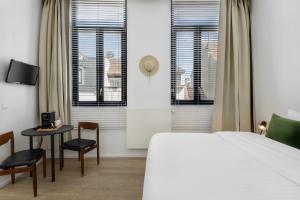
(53, 59)
(232, 110)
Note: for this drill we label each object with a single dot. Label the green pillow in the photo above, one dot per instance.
(284, 130)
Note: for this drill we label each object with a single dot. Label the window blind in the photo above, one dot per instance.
(99, 56)
(194, 40)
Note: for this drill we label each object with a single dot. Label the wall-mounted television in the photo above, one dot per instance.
(22, 73)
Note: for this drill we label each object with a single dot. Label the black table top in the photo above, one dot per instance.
(34, 132)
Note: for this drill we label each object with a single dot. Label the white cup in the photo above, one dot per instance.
(57, 122)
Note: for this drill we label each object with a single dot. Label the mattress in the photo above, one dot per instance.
(224, 165)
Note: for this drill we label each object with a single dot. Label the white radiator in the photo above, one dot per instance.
(143, 123)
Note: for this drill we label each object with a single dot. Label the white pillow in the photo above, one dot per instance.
(294, 115)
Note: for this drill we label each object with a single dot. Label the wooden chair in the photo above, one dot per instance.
(82, 146)
(21, 161)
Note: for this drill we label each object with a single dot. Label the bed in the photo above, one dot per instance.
(227, 166)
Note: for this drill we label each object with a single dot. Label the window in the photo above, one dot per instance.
(194, 41)
(99, 60)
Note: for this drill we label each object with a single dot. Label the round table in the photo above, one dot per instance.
(33, 132)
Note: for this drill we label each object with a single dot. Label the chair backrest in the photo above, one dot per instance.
(89, 126)
(5, 138)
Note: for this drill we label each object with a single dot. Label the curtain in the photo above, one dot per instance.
(53, 59)
(233, 100)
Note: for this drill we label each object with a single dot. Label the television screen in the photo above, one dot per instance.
(22, 73)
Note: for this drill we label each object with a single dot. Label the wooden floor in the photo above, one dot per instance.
(114, 179)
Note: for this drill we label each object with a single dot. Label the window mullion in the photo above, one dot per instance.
(100, 66)
(75, 63)
(197, 66)
(173, 68)
(123, 68)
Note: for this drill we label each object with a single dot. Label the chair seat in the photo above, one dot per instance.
(22, 158)
(77, 144)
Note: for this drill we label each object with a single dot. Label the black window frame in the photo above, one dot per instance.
(197, 63)
(100, 64)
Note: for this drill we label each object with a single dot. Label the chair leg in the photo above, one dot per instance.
(30, 173)
(78, 155)
(34, 180)
(63, 157)
(44, 165)
(98, 155)
(13, 178)
(82, 162)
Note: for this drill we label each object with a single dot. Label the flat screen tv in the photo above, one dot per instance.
(22, 73)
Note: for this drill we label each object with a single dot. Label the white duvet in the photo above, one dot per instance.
(227, 166)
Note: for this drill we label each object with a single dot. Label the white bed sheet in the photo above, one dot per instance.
(227, 166)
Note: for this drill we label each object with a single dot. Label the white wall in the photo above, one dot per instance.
(19, 34)
(149, 33)
(276, 53)
(149, 109)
